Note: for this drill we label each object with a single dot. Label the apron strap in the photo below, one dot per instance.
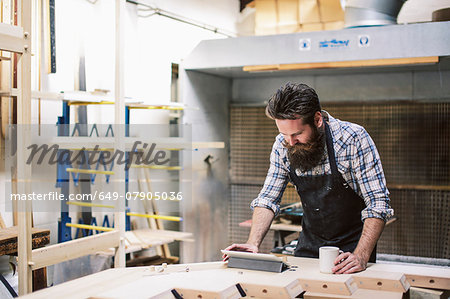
(330, 149)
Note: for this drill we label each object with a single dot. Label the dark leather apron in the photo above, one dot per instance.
(331, 210)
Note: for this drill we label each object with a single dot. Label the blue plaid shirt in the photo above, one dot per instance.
(357, 160)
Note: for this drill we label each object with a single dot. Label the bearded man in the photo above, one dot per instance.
(336, 170)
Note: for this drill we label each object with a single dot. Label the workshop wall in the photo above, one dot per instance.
(207, 211)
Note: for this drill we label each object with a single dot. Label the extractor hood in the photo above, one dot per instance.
(355, 47)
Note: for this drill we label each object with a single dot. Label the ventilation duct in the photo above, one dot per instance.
(371, 12)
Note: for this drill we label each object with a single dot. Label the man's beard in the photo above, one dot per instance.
(306, 156)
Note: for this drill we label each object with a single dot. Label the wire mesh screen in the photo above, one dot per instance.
(242, 195)
(252, 136)
(413, 140)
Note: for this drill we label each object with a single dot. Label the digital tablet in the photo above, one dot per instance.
(252, 256)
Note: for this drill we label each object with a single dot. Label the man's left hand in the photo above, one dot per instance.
(348, 262)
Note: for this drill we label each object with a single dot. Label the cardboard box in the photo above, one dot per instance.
(308, 11)
(312, 27)
(334, 25)
(266, 30)
(330, 10)
(287, 12)
(266, 13)
(284, 29)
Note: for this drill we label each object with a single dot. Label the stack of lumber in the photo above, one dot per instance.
(289, 16)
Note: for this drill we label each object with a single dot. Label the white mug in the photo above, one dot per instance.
(327, 255)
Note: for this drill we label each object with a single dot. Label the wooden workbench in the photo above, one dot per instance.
(215, 280)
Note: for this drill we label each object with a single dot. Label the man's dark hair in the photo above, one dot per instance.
(294, 101)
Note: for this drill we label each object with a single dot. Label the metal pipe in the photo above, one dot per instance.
(371, 12)
(182, 19)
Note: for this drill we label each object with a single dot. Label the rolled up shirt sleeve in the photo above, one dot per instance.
(276, 180)
(368, 172)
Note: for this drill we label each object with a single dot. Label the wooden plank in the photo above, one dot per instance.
(358, 294)
(426, 276)
(361, 63)
(4, 111)
(61, 252)
(313, 281)
(343, 64)
(150, 222)
(23, 140)
(268, 284)
(8, 239)
(326, 285)
(196, 267)
(11, 38)
(146, 242)
(164, 249)
(119, 120)
(2, 223)
(43, 95)
(14, 191)
(209, 280)
(261, 68)
(108, 142)
(161, 233)
(156, 107)
(385, 281)
(136, 105)
(91, 285)
(230, 291)
(191, 284)
(132, 239)
(152, 237)
(11, 92)
(213, 144)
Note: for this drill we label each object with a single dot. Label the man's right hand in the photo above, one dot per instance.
(240, 247)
